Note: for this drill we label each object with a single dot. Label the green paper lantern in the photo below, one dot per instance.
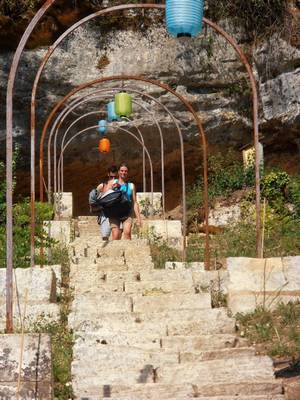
(123, 104)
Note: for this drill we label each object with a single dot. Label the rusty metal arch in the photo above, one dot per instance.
(64, 113)
(187, 105)
(121, 129)
(58, 123)
(60, 175)
(143, 94)
(9, 136)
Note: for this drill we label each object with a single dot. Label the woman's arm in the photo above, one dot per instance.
(136, 207)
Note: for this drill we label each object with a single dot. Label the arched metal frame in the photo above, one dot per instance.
(59, 120)
(9, 134)
(187, 106)
(123, 130)
(142, 94)
(60, 174)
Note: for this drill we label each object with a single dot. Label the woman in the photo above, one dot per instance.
(125, 224)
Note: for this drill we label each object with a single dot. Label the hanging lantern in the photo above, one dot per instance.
(123, 104)
(184, 17)
(102, 126)
(104, 145)
(111, 113)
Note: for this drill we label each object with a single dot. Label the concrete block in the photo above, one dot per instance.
(36, 368)
(59, 230)
(144, 202)
(192, 266)
(40, 282)
(262, 282)
(168, 230)
(64, 205)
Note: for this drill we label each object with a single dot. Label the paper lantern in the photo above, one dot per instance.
(102, 126)
(184, 17)
(111, 113)
(123, 104)
(104, 145)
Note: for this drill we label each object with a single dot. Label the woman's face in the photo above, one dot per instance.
(123, 172)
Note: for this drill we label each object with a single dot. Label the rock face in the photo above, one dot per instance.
(205, 70)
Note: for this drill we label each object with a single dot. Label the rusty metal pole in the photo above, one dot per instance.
(244, 60)
(9, 161)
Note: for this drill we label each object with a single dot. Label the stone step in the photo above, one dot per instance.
(119, 357)
(133, 276)
(147, 288)
(165, 275)
(106, 303)
(171, 302)
(132, 340)
(202, 342)
(219, 371)
(115, 356)
(181, 322)
(250, 369)
(154, 391)
(181, 397)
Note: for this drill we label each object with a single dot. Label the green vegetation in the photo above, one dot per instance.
(21, 226)
(230, 183)
(276, 332)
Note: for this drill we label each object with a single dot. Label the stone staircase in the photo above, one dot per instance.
(143, 333)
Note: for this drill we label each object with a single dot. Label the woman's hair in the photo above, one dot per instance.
(113, 169)
(123, 164)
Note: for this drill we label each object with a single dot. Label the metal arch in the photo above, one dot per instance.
(60, 174)
(122, 129)
(100, 90)
(188, 107)
(59, 120)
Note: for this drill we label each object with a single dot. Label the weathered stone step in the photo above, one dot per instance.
(202, 342)
(181, 322)
(105, 302)
(251, 369)
(154, 391)
(165, 275)
(171, 302)
(119, 358)
(223, 371)
(133, 340)
(180, 397)
(147, 288)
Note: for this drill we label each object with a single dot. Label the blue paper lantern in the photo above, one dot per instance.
(102, 126)
(111, 113)
(184, 17)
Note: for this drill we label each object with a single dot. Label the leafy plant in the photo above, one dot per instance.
(277, 330)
